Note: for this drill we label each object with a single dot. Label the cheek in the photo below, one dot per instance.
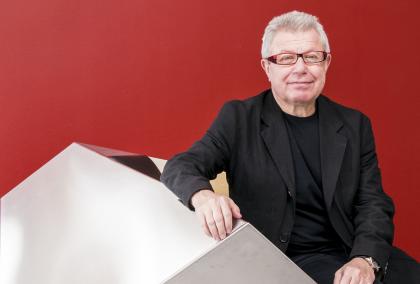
(321, 80)
(319, 76)
(278, 78)
(321, 73)
(279, 83)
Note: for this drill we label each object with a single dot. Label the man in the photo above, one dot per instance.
(301, 168)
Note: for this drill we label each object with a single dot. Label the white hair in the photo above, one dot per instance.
(294, 21)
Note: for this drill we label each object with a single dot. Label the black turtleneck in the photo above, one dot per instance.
(312, 231)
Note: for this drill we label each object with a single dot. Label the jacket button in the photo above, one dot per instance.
(284, 237)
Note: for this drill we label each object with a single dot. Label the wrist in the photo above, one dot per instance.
(372, 263)
(200, 197)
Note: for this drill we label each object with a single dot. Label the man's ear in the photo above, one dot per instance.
(266, 67)
(328, 61)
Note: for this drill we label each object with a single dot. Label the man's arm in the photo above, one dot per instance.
(373, 224)
(188, 174)
(374, 209)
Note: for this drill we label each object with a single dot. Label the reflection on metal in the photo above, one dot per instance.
(142, 164)
(86, 218)
(137, 162)
(245, 257)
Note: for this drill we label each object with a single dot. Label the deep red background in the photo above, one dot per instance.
(149, 76)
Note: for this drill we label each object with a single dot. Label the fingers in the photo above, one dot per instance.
(211, 224)
(371, 278)
(337, 277)
(235, 209)
(355, 279)
(342, 278)
(219, 220)
(202, 219)
(346, 279)
(227, 215)
(215, 215)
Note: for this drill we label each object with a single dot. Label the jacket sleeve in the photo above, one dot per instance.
(190, 171)
(374, 209)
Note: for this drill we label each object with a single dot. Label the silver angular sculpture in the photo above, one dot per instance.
(96, 215)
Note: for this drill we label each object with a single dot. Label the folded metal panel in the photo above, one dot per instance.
(89, 217)
(245, 257)
(85, 218)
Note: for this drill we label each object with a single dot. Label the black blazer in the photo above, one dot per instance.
(249, 141)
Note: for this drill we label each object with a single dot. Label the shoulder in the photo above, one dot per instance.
(346, 114)
(237, 115)
(249, 106)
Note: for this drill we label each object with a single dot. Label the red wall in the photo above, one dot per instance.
(148, 76)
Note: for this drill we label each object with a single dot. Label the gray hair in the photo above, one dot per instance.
(292, 21)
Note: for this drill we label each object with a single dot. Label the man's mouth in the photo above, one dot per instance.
(301, 82)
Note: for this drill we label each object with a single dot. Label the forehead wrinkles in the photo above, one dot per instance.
(296, 42)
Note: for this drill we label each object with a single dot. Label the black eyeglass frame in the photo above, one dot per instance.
(272, 58)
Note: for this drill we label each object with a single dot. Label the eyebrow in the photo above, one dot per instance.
(294, 52)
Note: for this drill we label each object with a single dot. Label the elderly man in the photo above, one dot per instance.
(301, 168)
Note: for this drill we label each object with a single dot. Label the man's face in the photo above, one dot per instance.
(300, 83)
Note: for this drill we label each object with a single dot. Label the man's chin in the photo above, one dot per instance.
(302, 98)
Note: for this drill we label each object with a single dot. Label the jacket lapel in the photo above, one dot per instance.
(276, 139)
(333, 146)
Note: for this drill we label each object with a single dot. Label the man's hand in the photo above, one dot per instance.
(356, 271)
(215, 213)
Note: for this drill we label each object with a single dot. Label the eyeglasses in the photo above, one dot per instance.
(310, 57)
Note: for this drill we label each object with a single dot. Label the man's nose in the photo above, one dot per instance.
(300, 65)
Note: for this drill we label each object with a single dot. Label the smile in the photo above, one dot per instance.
(298, 83)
